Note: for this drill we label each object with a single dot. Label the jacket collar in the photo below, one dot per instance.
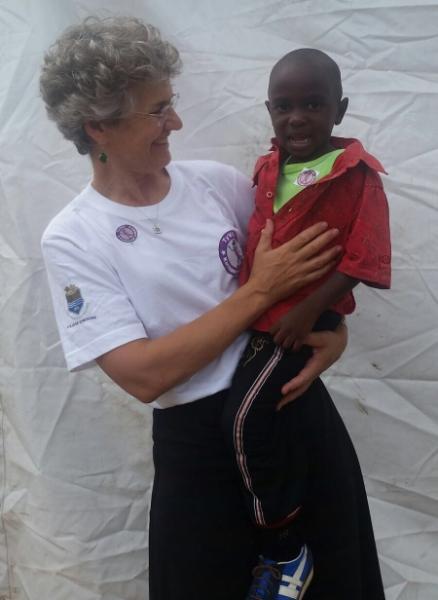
(353, 153)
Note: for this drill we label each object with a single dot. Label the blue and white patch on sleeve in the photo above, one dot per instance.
(75, 303)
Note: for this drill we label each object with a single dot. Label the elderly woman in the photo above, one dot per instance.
(142, 268)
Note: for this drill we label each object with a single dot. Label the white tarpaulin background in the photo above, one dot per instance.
(75, 452)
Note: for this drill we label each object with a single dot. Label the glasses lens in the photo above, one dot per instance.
(172, 103)
(162, 113)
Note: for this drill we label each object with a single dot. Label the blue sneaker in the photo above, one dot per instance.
(267, 576)
(296, 576)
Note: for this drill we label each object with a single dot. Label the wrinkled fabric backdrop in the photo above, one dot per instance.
(75, 452)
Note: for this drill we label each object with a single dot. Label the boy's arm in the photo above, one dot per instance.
(292, 328)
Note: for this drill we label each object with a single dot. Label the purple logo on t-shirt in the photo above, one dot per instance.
(230, 253)
(126, 233)
(306, 177)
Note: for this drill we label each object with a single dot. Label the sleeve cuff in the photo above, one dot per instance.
(81, 358)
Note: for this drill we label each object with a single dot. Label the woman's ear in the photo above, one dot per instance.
(95, 131)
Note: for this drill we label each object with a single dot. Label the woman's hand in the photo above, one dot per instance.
(281, 271)
(327, 347)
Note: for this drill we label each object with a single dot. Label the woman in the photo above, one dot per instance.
(142, 269)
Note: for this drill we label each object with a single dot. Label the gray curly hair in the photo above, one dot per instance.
(89, 70)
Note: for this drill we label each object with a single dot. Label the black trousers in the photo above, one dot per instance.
(269, 453)
(202, 541)
(267, 446)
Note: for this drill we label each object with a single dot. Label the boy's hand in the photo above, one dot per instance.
(294, 326)
(327, 348)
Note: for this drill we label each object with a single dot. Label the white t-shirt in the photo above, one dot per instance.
(113, 280)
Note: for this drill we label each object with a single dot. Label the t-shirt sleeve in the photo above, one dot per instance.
(92, 310)
(368, 249)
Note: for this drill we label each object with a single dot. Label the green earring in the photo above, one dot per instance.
(103, 157)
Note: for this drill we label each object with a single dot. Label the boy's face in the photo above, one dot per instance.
(304, 108)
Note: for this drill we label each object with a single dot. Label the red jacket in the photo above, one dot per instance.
(350, 198)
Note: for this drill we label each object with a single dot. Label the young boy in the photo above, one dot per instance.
(307, 177)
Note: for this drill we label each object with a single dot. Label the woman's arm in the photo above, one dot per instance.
(148, 368)
(327, 347)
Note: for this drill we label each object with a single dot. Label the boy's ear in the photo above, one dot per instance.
(268, 106)
(343, 105)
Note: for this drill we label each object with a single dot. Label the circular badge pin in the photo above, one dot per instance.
(230, 253)
(126, 233)
(306, 177)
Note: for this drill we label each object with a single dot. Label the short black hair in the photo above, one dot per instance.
(316, 58)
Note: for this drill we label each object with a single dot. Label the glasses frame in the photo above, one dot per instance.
(164, 110)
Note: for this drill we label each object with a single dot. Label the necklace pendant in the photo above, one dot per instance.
(156, 229)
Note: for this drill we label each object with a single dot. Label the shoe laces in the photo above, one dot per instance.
(264, 583)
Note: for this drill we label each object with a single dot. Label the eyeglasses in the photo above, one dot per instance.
(161, 114)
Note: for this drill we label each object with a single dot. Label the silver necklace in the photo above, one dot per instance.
(155, 221)
(156, 229)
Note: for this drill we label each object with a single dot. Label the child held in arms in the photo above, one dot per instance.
(308, 176)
